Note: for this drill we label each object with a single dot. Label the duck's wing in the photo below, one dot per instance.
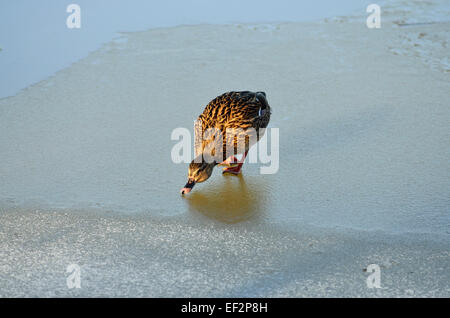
(235, 111)
(198, 137)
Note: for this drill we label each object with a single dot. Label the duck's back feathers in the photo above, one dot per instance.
(237, 110)
(234, 110)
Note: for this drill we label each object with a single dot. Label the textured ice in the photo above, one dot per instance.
(188, 256)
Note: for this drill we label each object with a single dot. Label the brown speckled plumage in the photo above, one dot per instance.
(240, 119)
(233, 110)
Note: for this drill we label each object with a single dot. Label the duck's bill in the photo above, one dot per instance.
(188, 187)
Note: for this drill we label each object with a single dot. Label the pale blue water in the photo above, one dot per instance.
(35, 42)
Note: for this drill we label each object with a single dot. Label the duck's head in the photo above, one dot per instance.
(198, 172)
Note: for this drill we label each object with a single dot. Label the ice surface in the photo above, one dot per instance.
(185, 256)
(363, 132)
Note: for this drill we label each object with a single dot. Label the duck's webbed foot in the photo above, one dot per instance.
(235, 169)
(236, 166)
(231, 162)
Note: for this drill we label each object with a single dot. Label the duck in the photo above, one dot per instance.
(235, 111)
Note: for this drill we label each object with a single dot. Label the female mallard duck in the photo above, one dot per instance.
(235, 111)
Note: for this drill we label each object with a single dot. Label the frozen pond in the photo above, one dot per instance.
(368, 155)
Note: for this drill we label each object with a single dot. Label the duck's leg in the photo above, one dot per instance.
(231, 162)
(236, 169)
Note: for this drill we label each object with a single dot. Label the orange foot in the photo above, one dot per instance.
(232, 161)
(233, 170)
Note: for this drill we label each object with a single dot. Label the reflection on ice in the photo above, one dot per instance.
(231, 201)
